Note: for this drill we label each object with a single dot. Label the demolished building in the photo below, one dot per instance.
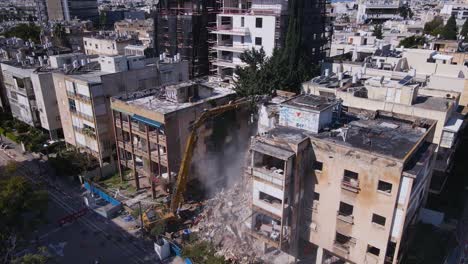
(329, 185)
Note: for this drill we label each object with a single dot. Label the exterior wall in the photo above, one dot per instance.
(62, 102)
(55, 10)
(369, 200)
(21, 100)
(46, 102)
(96, 46)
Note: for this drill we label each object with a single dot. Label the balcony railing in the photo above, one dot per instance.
(153, 135)
(82, 115)
(85, 131)
(341, 248)
(350, 184)
(345, 218)
(79, 97)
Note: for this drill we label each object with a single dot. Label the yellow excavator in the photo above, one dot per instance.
(163, 215)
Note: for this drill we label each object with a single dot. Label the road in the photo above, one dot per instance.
(91, 237)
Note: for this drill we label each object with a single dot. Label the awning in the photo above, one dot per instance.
(147, 121)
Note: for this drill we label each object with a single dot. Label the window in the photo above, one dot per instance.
(259, 22)
(345, 209)
(351, 174)
(373, 250)
(96, 45)
(384, 187)
(378, 219)
(318, 165)
(316, 196)
(242, 39)
(242, 21)
(258, 41)
(71, 104)
(85, 43)
(350, 181)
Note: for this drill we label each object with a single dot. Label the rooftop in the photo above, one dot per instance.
(158, 100)
(384, 136)
(310, 102)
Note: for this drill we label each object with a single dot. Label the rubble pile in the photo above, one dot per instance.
(225, 223)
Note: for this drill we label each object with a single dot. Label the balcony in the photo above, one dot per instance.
(82, 115)
(226, 63)
(230, 47)
(229, 30)
(350, 184)
(79, 97)
(268, 230)
(143, 152)
(154, 136)
(347, 218)
(371, 258)
(270, 176)
(341, 249)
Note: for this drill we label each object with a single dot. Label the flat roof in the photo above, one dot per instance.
(155, 100)
(432, 103)
(384, 136)
(310, 102)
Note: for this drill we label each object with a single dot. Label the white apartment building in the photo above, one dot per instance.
(107, 44)
(239, 28)
(83, 96)
(378, 10)
(30, 91)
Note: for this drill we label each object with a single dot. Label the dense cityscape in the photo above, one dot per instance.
(234, 131)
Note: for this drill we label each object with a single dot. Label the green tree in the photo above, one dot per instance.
(450, 30)
(434, 27)
(413, 41)
(22, 208)
(39, 258)
(25, 32)
(405, 11)
(378, 33)
(464, 31)
(60, 36)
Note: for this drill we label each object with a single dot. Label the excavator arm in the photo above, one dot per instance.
(182, 176)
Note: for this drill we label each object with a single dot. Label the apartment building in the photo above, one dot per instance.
(392, 91)
(152, 126)
(243, 25)
(336, 187)
(107, 44)
(29, 89)
(182, 27)
(24, 10)
(67, 10)
(378, 10)
(83, 92)
(143, 29)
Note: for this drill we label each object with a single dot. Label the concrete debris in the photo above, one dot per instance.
(225, 223)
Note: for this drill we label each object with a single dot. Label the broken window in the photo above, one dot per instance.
(318, 165)
(269, 163)
(378, 219)
(350, 179)
(269, 199)
(373, 250)
(384, 187)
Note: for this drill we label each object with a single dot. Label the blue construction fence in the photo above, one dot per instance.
(101, 194)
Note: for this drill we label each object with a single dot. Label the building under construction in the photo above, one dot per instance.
(181, 27)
